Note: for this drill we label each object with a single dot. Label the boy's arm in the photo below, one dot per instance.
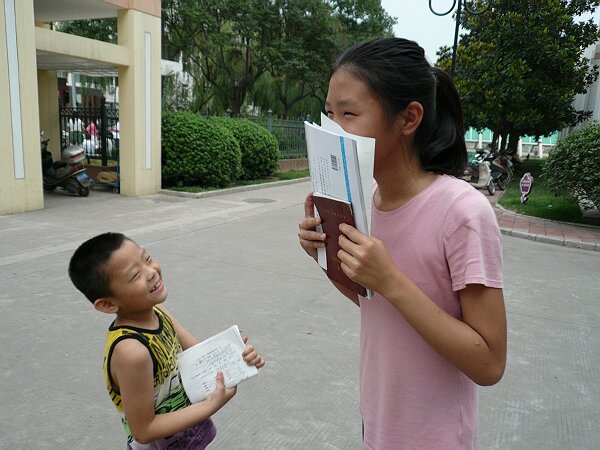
(132, 370)
(186, 339)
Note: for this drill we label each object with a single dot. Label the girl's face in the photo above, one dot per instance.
(352, 106)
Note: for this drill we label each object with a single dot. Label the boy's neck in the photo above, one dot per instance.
(147, 320)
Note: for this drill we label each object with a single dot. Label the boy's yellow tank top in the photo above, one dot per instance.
(164, 347)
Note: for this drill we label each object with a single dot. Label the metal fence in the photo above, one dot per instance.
(95, 129)
(289, 134)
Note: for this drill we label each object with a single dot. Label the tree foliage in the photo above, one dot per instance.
(99, 29)
(270, 53)
(274, 54)
(521, 64)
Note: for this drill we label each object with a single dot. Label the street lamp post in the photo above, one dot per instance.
(458, 12)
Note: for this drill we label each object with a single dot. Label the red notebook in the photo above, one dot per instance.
(334, 212)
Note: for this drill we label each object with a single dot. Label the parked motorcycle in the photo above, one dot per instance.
(501, 170)
(479, 174)
(69, 173)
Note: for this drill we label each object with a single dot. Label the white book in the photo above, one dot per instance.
(365, 150)
(199, 364)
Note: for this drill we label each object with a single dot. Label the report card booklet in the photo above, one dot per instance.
(334, 212)
(200, 363)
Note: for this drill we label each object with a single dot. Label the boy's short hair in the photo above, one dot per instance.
(87, 268)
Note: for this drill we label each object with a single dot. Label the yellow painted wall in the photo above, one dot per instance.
(48, 105)
(23, 194)
(140, 171)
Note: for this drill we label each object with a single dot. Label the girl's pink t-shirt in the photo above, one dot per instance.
(411, 398)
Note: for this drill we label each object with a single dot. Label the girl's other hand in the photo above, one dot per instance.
(309, 238)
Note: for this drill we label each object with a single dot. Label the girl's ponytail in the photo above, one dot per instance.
(441, 141)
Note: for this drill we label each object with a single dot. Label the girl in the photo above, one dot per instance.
(436, 326)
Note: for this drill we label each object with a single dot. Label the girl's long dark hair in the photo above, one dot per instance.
(397, 73)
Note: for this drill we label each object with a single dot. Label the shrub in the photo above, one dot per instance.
(573, 167)
(260, 151)
(198, 151)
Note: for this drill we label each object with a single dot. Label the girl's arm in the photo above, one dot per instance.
(132, 371)
(311, 240)
(476, 345)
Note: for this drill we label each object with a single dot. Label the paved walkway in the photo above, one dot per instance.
(234, 258)
(544, 230)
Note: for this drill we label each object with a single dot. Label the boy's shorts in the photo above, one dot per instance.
(193, 438)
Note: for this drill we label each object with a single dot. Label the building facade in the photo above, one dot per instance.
(31, 54)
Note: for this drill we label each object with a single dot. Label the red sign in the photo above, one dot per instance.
(526, 184)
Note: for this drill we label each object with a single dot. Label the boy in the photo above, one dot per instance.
(140, 360)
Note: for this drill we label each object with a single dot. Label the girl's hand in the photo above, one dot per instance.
(221, 395)
(365, 260)
(250, 355)
(309, 238)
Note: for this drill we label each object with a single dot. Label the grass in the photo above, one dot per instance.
(541, 203)
(279, 176)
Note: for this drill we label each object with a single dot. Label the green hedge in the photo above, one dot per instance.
(573, 167)
(260, 150)
(198, 151)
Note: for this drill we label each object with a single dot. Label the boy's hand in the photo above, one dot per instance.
(250, 355)
(221, 394)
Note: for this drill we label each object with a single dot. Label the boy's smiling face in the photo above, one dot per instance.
(135, 280)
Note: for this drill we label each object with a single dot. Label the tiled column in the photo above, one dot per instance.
(139, 103)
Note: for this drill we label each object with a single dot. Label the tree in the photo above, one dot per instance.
(361, 20)
(227, 41)
(304, 45)
(521, 64)
(278, 52)
(99, 29)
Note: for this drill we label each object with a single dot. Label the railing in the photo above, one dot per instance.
(289, 134)
(95, 129)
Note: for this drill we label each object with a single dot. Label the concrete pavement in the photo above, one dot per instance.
(234, 258)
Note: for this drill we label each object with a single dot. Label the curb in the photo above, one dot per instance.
(251, 187)
(548, 239)
(551, 240)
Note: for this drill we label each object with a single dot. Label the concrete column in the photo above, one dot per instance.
(48, 105)
(139, 103)
(480, 140)
(520, 148)
(20, 159)
(540, 148)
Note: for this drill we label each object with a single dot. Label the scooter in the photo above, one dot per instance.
(501, 169)
(479, 174)
(69, 173)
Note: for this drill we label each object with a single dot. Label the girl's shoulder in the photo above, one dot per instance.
(457, 193)
(467, 207)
